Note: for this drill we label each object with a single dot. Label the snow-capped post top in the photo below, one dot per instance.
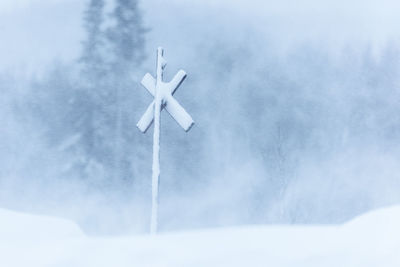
(162, 93)
(166, 91)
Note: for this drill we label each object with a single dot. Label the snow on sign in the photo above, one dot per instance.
(162, 93)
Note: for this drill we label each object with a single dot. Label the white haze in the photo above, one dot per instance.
(336, 152)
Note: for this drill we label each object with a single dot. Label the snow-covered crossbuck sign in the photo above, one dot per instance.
(162, 93)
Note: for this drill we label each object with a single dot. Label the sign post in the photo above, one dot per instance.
(162, 93)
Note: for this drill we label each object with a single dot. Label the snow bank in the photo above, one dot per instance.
(369, 240)
(14, 225)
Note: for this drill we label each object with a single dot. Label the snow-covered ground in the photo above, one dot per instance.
(372, 239)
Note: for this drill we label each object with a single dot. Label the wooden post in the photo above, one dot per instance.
(162, 93)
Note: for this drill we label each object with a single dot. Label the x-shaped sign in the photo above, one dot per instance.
(165, 91)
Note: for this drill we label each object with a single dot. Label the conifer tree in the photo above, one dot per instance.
(92, 55)
(93, 124)
(88, 110)
(125, 40)
(126, 36)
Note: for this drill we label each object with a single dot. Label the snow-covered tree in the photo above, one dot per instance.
(126, 36)
(89, 103)
(92, 56)
(125, 40)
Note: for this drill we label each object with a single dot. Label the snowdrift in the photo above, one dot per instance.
(372, 239)
(14, 225)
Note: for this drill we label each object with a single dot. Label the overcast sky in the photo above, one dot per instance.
(35, 32)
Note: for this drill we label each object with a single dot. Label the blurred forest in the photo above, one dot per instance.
(303, 137)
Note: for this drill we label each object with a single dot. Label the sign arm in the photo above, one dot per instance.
(177, 81)
(147, 119)
(149, 83)
(178, 113)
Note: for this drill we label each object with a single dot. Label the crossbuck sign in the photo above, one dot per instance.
(163, 99)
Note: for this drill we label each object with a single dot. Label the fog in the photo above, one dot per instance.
(296, 108)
